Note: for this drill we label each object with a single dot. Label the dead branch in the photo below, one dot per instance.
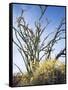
(61, 53)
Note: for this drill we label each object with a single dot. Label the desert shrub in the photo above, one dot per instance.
(16, 79)
(48, 72)
(21, 80)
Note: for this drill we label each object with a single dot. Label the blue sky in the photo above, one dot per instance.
(32, 14)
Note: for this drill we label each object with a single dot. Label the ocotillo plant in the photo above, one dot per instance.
(29, 42)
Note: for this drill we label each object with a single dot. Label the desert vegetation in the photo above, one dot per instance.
(42, 69)
(49, 72)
